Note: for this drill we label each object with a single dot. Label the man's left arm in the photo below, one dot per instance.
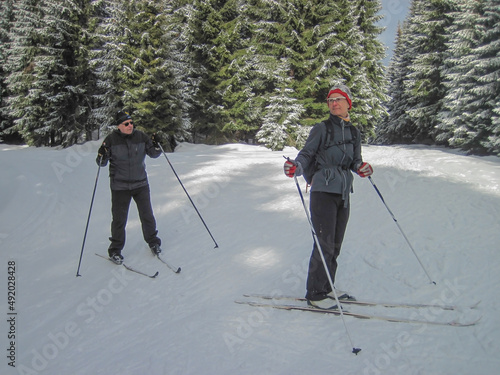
(153, 149)
(362, 168)
(357, 158)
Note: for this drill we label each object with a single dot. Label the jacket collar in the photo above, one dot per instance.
(337, 119)
(118, 131)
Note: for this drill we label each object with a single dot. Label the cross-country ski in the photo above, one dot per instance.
(370, 303)
(173, 268)
(131, 268)
(360, 315)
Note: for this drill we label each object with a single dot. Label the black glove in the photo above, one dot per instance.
(103, 152)
(155, 138)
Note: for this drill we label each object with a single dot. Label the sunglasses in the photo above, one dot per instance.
(128, 123)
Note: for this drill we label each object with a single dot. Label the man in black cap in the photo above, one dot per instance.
(126, 149)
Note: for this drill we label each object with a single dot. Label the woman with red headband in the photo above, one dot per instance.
(333, 149)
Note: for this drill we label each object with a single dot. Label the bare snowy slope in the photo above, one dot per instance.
(111, 321)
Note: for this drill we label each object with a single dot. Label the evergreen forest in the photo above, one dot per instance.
(257, 71)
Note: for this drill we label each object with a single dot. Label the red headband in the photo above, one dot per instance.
(339, 91)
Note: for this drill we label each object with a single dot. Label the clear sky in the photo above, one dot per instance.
(394, 11)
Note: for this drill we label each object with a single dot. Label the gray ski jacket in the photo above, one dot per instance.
(334, 160)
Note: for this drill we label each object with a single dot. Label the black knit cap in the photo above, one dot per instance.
(122, 116)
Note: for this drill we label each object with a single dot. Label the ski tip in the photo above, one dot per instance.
(178, 270)
(156, 274)
(356, 350)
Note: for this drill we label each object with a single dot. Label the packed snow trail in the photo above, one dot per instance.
(112, 321)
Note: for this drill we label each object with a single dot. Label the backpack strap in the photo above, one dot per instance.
(327, 143)
(354, 137)
(329, 133)
(323, 146)
(354, 134)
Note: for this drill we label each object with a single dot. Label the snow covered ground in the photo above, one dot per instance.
(111, 321)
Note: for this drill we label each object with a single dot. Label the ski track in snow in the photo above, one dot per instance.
(111, 321)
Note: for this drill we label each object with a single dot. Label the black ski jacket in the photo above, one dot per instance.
(127, 169)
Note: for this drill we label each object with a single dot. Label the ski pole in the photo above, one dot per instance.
(400, 229)
(180, 182)
(88, 218)
(316, 241)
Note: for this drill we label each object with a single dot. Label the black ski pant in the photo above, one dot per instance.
(329, 215)
(120, 203)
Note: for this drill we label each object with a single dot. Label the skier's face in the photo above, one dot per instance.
(338, 105)
(126, 127)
